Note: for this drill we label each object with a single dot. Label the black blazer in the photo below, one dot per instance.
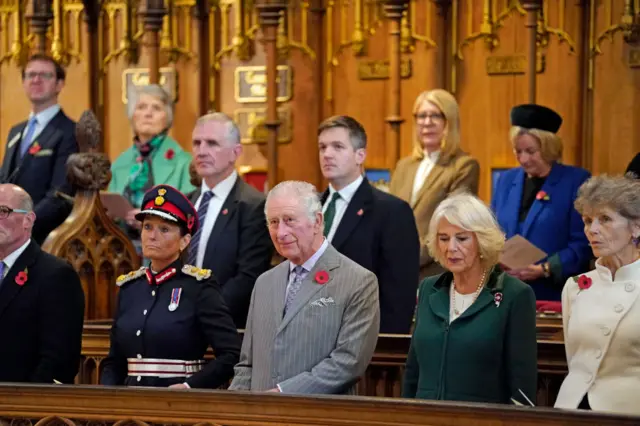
(379, 232)
(43, 173)
(41, 320)
(239, 248)
(634, 166)
(199, 320)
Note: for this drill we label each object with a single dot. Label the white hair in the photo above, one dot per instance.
(233, 132)
(158, 93)
(304, 192)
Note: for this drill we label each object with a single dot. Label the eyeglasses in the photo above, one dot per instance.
(434, 117)
(6, 211)
(43, 75)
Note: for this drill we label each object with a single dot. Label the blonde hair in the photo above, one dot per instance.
(619, 193)
(550, 143)
(466, 211)
(448, 106)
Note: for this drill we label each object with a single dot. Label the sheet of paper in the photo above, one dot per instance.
(116, 204)
(518, 252)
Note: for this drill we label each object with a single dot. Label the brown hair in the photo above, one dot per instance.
(357, 135)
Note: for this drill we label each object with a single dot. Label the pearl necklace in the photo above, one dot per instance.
(475, 294)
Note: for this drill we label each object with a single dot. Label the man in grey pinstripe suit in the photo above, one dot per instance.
(314, 319)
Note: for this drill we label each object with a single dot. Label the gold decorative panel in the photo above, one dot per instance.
(136, 77)
(250, 121)
(250, 84)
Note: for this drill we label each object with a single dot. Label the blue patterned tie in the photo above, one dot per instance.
(2, 266)
(195, 239)
(26, 141)
(294, 287)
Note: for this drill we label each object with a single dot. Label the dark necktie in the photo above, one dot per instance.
(330, 213)
(195, 239)
(294, 287)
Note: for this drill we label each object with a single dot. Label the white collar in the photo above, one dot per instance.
(311, 262)
(223, 188)
(348, 191)
(46, 114)
(628, 272)
(10, 260)
(431, 157)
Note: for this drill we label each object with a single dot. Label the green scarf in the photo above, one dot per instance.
(139, 173)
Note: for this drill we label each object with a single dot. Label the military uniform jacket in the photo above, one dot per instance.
(146, 327)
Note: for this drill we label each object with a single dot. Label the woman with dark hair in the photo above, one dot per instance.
(169, 313)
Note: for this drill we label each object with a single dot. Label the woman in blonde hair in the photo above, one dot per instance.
(536, 201)
(436, 168)
(475, 334)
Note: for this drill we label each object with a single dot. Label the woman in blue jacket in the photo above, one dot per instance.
(536, 201)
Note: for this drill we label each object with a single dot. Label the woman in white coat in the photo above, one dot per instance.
(601, 309)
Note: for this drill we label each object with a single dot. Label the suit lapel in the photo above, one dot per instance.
(329, 261)
(9, 288)
(45, 139)
(227, 211)
(429, 182)
(10, 158)
(512, 207)
(357, 207)
(280, 291)
(440, 303)
(539, 205)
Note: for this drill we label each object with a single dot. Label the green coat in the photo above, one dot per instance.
(172, 171)
(485, 355)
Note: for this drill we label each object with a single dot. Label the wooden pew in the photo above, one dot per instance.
(59, 405)
(384, 375)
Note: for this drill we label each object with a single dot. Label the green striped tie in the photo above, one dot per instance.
(330, 213)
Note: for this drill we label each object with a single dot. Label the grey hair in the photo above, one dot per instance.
(468, 212)
(25, 202)
(233, 132)
(304, 192)
(158, 93)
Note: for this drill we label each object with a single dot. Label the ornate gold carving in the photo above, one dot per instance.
(136, 77)
(379, 69)
(408, 33)
(66, 20)
(285, 31)
(512, 64)
(634, 58)
(629, 24)
(178, 11)
(250, 84)
(131, 30)
(544, 30)
(244, 29)
(250, 121)
(13, 48)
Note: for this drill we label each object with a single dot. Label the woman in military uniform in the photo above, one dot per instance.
(169, 313)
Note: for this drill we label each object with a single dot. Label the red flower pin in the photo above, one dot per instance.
(497, 298)
(322, 277)
(169, 154)
(584, 282)
(360, 212)
(35, 148)
(225, 211)
(22, 277)
(541, 195)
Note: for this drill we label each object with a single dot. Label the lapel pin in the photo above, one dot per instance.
(225, 211)
(360, 212)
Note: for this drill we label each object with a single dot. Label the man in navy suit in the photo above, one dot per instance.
(37, 149)
(374, 229)
(232, 240)
(41, 301)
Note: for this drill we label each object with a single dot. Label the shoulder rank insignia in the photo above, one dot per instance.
(198, 273)
(130, 276)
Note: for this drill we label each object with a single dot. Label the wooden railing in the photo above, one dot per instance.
(51, 405)
(384, 375)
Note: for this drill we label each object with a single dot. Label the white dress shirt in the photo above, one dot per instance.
(10, 260)
(346, 194)
(220, 194)
(425, 167)
(602, 341)
(43, 117)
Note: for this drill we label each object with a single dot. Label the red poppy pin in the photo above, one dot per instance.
(322, 277)
(584, 282)
(35, 148)
(225, 211)
(497, 298)
(22, 277)
(543, 196)
(169, 154)
(360, 212)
